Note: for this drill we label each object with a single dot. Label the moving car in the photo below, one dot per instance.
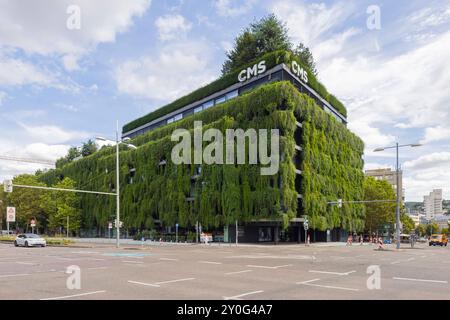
(29, 240)
(438, 240)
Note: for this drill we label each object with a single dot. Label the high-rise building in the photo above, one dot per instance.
(432, 204)
(390, 176)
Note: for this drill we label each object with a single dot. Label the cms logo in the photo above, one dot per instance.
(299, 71)
(252, 71)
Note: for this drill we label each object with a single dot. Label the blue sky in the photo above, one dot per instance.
(59, 87)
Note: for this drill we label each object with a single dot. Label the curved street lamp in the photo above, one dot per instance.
(131, 146)
(397, 146)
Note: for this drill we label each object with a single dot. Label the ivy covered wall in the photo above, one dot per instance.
(331, 165)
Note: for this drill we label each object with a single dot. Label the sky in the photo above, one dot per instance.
(70, 69)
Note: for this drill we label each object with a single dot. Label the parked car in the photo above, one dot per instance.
(6, 233)
(438, 240)
(29, 240)
(422, 240)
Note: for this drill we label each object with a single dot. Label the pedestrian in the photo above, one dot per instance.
(380, 243)
(361, 240)
(349, 240)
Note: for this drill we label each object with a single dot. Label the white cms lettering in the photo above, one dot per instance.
(299, 71)
(250, 72)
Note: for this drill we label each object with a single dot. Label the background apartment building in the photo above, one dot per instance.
(433, 204)
(390, 176)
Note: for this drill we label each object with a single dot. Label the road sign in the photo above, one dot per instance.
(340, 203)
(8, 186)
(10, 214)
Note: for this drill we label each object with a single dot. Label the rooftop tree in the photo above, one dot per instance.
(263, 36)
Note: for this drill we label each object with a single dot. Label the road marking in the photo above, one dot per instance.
(143, 283)
(168, 259)
(158, 284)
(308, 283)
(236, 272)
(138, 262)
(170, 281)
(330, 272)
(26, 263)
(85, 252)
(210, 262)
(420, 280)
(98, 268)
(242, 295)
(268, 267)
(75, 295)
(15, 275)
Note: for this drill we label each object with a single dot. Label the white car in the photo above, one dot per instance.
(29, 240)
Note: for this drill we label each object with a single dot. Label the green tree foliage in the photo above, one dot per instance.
(378, 213)
(62, 204)
(266, 35)
(3, 205)
(72, 153)
(306, 57)
(27, 201)
(407, 223)
(332, 169)
(432, 228)
(88, 148)
(421, 229)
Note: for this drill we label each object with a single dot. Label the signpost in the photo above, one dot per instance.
(32, 224)
(176, 233)
(109, 228)
(8, 186)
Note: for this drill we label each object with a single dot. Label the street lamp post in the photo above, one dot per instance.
(397, 172)
(118, 142)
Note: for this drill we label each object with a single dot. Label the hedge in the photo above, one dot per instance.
(331, 165)
(272, 59)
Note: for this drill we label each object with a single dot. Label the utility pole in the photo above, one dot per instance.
(398, 200)
(237, 233)
(67, 226)
(117, 186)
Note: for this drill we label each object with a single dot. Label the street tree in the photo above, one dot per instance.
(407, 222)
(378, 213)
(27, 201)
(61, 205)
(421, 229)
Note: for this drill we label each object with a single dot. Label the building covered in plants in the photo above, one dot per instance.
(321, 162)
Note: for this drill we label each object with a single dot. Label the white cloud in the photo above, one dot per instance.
(171, 27)
(41, 27)
(15, 72)
(174, 71)
(437, 133)
(52, 134)
(229, 8)
(426, 173)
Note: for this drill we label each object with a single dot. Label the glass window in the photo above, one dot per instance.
(221, 99)
(198, 109)
(208, 104)
(232, 94)
(178, 117)
(170, 120)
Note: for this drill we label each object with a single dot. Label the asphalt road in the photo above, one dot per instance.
(225, 272)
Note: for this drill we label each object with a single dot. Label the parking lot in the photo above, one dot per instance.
(225, 272)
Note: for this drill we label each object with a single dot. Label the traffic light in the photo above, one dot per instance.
(340, 203)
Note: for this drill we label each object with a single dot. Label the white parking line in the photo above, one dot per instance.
(15, 275)
(420, 280)
(308, 283)
(268, 267)
(237, 272)
(336, 273)
(75, 295)
(143, 283)
(168, 259)
(210, 262)
(171, 281)
(158, 284)
(242, 295)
